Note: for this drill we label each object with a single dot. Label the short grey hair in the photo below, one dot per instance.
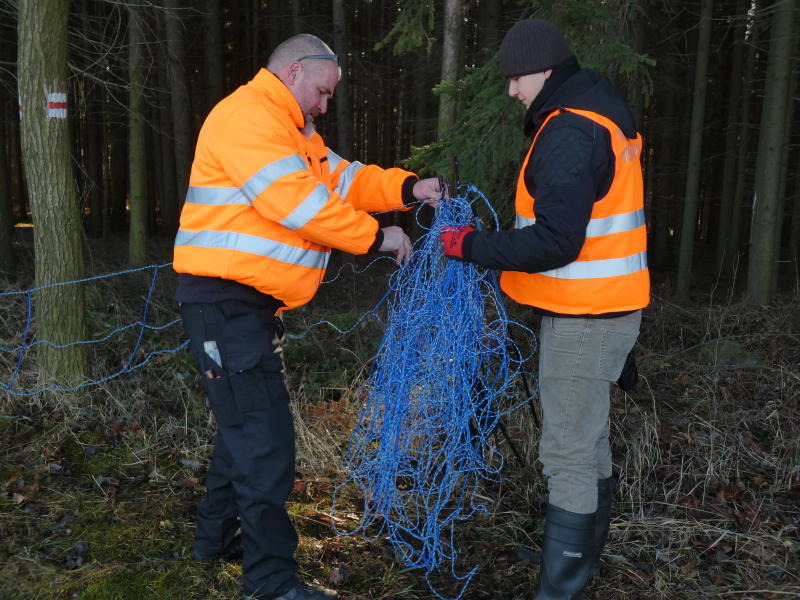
(294, 48)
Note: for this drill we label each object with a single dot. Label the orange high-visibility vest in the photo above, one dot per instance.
(266, 204)
(610, 273)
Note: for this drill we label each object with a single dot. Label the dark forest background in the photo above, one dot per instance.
(100, 474)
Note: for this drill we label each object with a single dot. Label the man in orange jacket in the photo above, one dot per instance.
(578, 257)
(267, 201)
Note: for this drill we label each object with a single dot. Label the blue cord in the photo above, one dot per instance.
(419, 452)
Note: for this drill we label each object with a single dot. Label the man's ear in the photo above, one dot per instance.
(294, 69)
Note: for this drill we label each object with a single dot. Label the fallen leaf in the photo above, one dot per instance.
(188, 482)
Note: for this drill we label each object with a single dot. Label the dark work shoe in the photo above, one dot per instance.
(233, 551)
(303, 591)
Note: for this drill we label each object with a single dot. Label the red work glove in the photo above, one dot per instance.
(452, 240)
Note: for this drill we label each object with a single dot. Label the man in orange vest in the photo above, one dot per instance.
(578, 257)
(267, 201)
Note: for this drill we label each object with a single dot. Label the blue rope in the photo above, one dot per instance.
(420, 450)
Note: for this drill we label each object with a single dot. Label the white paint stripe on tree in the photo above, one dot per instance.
(57, 105)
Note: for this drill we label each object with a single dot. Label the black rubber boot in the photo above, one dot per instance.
(605, 491)
(568, 554)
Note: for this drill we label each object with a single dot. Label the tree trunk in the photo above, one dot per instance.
(17, 167)
(794, 232)
(137, 197)
(215, 82)
(168, 192)
(731, 136)
(344, 116)
(734, 240)
(60, 311)
(766, 200)
(781, 211)
(181, 110)
(489, 40)
(297, 21)
(451, 71)
(7, 262)
(691, 199)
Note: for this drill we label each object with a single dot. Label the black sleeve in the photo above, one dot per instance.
(571, 167)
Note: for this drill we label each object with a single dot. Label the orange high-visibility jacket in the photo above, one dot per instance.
(266, 204)
(610, 273)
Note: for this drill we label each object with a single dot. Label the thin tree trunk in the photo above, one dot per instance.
(451, 71)
(488, 27)
(734, 240)
(136, 143)
(691, 199)
(297, 22)
(17, 168)
(766, 200)
(794, 235)
(344, 116)
(7, 261)
(782, 217)
(95, 161)
(169, 192)
(732, 135)
(119, 170)
(181, 110)
(58, 249)
(212, 20)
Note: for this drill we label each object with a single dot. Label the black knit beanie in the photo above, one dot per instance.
(532, 46)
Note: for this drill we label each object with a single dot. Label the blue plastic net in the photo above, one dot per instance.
(445, 368)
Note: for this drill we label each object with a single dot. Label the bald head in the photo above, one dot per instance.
(296, 47)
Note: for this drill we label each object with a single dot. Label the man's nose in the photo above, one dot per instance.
(323, 105)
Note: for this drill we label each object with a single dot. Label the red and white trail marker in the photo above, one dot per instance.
(57, 105)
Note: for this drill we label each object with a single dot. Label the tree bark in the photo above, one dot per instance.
(344, 116)
(691, 198)
(168, 192)
(451, 64)
(731, 135)
(766, 200)
(212, 20)
(181, 111)
(60, 311)
(7, 262)
(137, 198)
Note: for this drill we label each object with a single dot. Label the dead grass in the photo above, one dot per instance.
(707, 457)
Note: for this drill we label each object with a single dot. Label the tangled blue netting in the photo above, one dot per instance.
(422, 445)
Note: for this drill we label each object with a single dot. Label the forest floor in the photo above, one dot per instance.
(98, 487)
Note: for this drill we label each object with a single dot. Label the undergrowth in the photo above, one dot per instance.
(98, 487)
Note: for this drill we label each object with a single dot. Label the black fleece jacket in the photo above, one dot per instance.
(572, 166)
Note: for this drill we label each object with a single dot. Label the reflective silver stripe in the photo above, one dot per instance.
(216, 195)
(334, 160)
(615, 223)
(346, 178)
(228, 240)
(309, 207)
(592, 269)
(267, 175)
(521, 222)
(603, 226)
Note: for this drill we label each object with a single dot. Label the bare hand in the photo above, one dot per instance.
(428, 191)
(395, 240)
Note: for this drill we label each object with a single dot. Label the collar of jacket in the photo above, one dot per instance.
(276, 91)
(543, 103)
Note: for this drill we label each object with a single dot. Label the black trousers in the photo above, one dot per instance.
(238, 353)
